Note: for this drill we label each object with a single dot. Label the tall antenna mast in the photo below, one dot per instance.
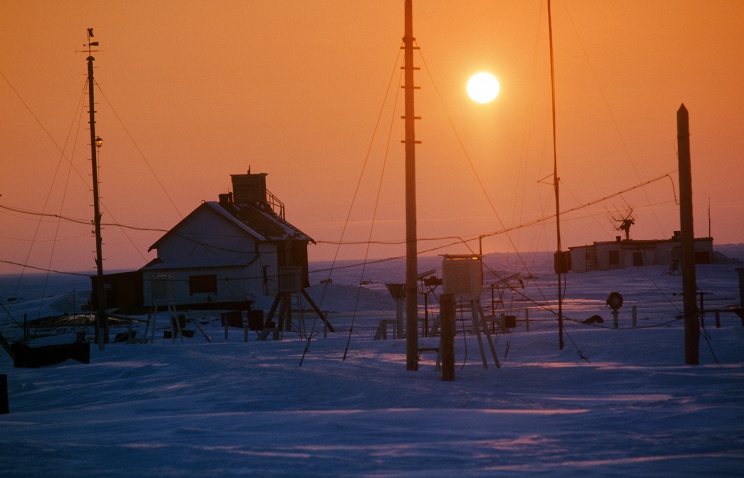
(411, 239)
(102, 329)
(559, 261)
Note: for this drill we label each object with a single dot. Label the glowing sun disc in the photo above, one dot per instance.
(483, 87)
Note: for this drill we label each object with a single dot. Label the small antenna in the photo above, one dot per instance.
(625, 220)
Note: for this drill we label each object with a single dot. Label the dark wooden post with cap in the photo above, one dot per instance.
(447, 342)
(687, 238)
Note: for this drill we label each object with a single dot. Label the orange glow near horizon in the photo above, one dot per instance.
(295, 90)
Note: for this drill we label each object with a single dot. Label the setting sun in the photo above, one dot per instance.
(483, 87)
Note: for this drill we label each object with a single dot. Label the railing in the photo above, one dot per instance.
(275, 204)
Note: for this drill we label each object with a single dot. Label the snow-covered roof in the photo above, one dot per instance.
(260, 220)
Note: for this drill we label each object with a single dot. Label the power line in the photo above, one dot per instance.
(457, 239)
(136, 146)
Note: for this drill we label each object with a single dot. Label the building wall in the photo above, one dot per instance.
(609, 256)
(663, 252)
(208, 245)
(180, 286)
(206, 234)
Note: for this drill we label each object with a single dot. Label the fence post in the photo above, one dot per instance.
(447, 340)
(4, 408)
(245, 325)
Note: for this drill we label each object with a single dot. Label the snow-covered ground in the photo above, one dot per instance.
(613, 402)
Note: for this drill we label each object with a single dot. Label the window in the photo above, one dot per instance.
(204, 284)
(614, 258)
(638, 258)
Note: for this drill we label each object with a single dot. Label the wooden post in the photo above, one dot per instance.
(244, 316)
(154, 313)
(718, 319)
(410, 168)
(4, 406)
(447, 340)
(527, 319)
(689, 282)
(102, 328)
(399, 323)
(179, 330)
(701, 317)
(287, 298)
(740, 311)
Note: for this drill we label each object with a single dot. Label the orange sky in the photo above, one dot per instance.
(294, 89)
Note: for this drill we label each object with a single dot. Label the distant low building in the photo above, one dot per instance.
(621, 253)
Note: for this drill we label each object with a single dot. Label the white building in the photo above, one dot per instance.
(226, 251)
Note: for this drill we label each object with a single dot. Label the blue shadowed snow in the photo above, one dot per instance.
(229, 407)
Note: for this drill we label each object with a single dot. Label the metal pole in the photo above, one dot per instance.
(689, 282)
(411, 240)
(555, 183)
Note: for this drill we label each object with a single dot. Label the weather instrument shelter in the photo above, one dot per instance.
(462, 278)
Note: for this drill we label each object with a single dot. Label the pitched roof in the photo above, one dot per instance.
(257, 220)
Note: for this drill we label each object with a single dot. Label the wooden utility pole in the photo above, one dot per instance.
(411, 240)
(102, 329)
(687, 237)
